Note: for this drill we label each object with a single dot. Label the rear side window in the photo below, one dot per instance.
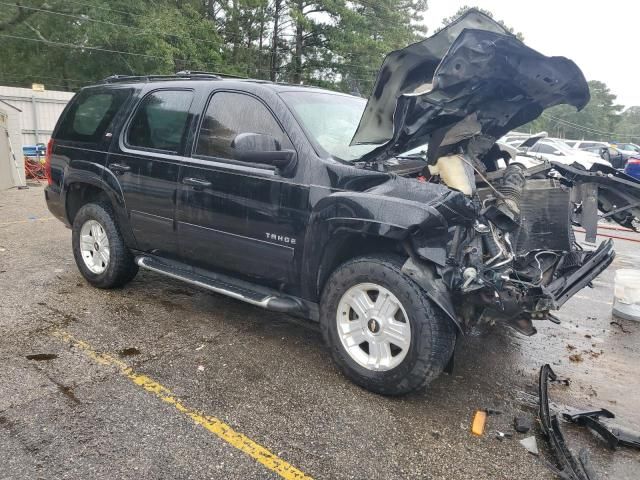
(160, 122)
(229, 114)
(90, 115)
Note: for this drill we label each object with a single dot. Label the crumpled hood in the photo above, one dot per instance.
(472, 79)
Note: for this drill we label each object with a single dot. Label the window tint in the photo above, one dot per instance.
(161, 120)
(90, 114)
(229, 114)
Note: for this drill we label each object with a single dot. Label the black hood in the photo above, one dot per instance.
(473, 79)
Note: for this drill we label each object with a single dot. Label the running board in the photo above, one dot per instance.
(231, 287)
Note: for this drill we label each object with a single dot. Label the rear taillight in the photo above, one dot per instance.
(47, 161)
(633, 161)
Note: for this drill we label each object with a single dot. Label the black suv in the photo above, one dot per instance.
(391, 222)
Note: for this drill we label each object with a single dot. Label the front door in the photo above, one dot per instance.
(235, 216)
(146, 161)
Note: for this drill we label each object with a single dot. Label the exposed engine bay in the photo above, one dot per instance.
(512, 257)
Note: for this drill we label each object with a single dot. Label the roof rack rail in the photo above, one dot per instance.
(185, 74)
(196, 73)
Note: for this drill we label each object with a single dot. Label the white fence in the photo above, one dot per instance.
(39, 111)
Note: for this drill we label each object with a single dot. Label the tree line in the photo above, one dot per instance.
(336, 44)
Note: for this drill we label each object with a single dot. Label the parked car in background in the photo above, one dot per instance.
(628, 147)
(617, 156)
(558, 151)
(585, 144)
(632, 168)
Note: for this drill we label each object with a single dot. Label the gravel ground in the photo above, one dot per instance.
(268, 376)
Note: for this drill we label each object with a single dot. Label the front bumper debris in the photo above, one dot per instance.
(567, 466)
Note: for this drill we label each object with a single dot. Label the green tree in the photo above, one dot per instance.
(365, 33)
(339, 44)
(596, 121)
(68, 44)
(628, 128)
(462, 10)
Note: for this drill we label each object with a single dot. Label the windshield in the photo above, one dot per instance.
(561, 146)
(331, 119)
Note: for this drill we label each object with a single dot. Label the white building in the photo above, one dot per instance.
(29, 116)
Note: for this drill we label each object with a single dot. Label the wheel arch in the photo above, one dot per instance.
(347, 245)
(82, 189)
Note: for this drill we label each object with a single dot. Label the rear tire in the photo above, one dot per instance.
(358, 342)
(99, 249)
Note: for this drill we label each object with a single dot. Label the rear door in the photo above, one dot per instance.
(145, 162)
(233, 215)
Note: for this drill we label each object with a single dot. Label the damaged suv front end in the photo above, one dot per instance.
(500, 247)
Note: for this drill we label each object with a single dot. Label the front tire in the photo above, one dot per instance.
(99, 249)
(383, 332)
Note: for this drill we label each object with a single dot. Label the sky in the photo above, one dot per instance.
(601, 37)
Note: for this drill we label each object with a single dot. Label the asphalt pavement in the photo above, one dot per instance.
(163, 380)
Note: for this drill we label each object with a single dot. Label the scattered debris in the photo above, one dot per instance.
(576, 357)
(620, 326)
(502, 435)
(613, 435)
(491, 411)
(562, 381)
(200, 348)
(128, 352)
(567, 466)
(530, 444)
(522, 424)
(478, 423)
(201, 368)
(587, 335)
(570, 347)
(39, 357)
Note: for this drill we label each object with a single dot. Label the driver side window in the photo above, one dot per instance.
(229, 114)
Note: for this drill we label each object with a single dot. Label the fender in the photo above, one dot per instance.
(94, 174)
(369, 214)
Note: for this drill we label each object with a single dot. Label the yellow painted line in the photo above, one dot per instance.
(27, 221)
(212, 424)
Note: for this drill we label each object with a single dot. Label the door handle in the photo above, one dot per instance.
(119, 167)
(196, 182)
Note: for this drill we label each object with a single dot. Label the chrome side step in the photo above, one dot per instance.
(229, 286)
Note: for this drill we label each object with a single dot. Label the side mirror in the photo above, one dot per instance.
(557, 152)
(262, 148)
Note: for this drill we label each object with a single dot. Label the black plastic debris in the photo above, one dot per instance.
(522, 424)
(41, 357)
(613, 435)
(567, 467)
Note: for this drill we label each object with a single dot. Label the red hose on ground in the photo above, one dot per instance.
(611, 236)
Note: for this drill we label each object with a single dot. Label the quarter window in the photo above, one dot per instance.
(90, 114)
(230, 114)
(160, 123)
